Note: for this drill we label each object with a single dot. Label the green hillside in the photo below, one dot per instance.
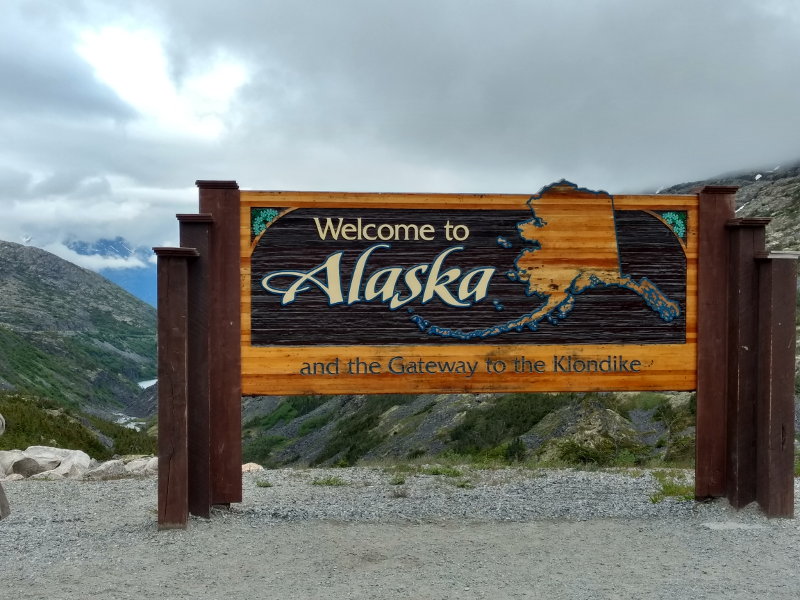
(32, 421)
(69, 335)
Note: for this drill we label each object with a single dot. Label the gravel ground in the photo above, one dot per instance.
(514, 534)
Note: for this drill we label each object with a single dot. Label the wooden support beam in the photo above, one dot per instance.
(747, 238)
(195, 232)
(173, 511)
(220, 199)
(775, 412)
(5, 509)
(716, 208)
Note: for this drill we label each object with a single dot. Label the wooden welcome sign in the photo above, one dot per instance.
(566, 289)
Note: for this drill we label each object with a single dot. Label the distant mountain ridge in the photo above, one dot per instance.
(70, 335)
(773, 193)
(138, 280)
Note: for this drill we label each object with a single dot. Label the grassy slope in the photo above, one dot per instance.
(32, 421)
(69, 334)
(69, 369)
(487, 431)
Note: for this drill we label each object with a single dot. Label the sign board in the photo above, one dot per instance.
(569, 289)
(566, 290)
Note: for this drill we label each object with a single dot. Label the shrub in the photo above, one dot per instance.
(126, 440)
(671, 487)
(332, 480)
(314, 423)
(604, 454)
(515, 451)
(509, 416)
(32, 421)
(290, 408)
(441, 470)
(356, 435)
(258, 449)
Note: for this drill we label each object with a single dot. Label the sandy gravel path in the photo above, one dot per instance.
(78, 540)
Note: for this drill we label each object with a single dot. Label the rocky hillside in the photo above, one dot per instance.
(773, 193)
(70, 335)
(552, 429)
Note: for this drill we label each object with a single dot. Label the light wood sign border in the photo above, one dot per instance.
(276, 370)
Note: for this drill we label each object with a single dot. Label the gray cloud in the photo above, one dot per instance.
(628, 93)
(41, 74)
(473, 96)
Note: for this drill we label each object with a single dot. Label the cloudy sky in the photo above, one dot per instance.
(110, 110)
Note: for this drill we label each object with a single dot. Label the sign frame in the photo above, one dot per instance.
(744, 337)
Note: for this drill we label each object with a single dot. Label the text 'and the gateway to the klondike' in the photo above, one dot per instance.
(402, 365)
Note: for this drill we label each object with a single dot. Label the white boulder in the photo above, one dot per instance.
(111, 469)
(47, 453)
(50, 475)
(7, 460)
(38, 460)
(47, 463)
(74, 465)
(251, 467)
(137, 467)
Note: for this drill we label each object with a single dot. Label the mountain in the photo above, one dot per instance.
(138, 280)
(773, 193)
(70, 335)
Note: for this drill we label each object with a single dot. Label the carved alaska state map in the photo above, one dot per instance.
(558, 265)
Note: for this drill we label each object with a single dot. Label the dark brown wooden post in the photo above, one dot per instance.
(220, 199)
(5, 509)
(173, 511)
(195, 232)
(747, 238)
(775, 436)
(716, 208)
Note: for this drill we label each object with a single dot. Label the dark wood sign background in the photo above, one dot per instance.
(604, 315)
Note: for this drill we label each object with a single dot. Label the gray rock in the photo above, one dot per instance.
(111, 469)
(2, 425)
(58, 463)
(28, 466)
(74, 465)
(137, 467)
(585, 425)
(51, 475)
(8, 458)
(129, 458)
